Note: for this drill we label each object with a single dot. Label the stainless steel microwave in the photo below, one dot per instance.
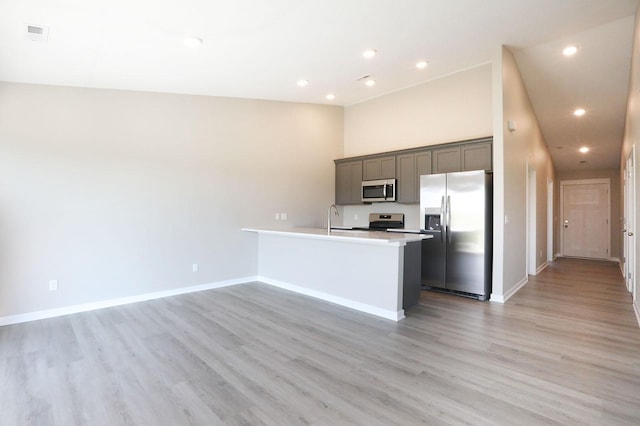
(378, 190)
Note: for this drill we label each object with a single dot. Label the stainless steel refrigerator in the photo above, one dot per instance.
(456, 208)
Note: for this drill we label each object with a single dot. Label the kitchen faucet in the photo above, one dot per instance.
(332, 206)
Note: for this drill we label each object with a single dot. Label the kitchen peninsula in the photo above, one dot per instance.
(362, 270)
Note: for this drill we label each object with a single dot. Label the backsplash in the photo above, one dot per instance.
(348, 213)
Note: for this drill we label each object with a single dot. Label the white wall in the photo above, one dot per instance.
(452, 108)
(632, 136)
(455, 107)
(514, 153)
(469, 104)
(118, 193)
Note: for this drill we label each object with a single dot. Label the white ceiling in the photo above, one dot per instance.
(596, 79)
(260, 48)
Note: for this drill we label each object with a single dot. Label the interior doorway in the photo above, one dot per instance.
(550, 224)
(629, 223)
(585, 213)
(532, 249)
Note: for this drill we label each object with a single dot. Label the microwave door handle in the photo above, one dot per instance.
(384, 190)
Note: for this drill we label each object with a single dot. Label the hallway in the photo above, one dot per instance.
(566, 346)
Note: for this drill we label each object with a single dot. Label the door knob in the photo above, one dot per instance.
(630, 234)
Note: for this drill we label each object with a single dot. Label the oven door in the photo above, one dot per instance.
(379, 190)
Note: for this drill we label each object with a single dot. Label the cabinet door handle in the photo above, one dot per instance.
(630, 234)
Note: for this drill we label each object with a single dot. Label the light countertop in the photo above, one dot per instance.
(350, 236)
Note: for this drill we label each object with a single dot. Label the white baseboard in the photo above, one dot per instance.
(636, 308)
(362, 307)
(85, 307)
(74, 309)
(542, 267)
(502, 298)
(610, 259)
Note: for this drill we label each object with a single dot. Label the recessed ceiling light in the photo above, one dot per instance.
(422, 64)
(369, 53)
(192, 42)
(570, 50)
(584, 149)
(303, 83)
(579, 112)
(330, 96)
(370, 83)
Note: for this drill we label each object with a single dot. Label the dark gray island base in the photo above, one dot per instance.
(411, 274)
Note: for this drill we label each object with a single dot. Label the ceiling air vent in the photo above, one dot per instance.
(36, 32)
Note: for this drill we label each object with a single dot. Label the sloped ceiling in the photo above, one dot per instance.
(595, 79)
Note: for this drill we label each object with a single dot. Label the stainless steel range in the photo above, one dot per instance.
(384, 221)
(390, 222)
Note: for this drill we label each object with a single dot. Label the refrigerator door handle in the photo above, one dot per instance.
(442, 224)
(448, 218)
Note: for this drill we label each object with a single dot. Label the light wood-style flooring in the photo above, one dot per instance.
(564, 350)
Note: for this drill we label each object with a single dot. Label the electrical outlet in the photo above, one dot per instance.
(53, 285)
(194, 267)
(355, 216)
(283, 216)
(277, 216)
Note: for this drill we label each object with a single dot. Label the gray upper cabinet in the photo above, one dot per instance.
(409, 168)
(379, 168)
(348, 182)
(476, 156)
(446, 160)
(406, 170)
(423, 165)
(472, 156)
